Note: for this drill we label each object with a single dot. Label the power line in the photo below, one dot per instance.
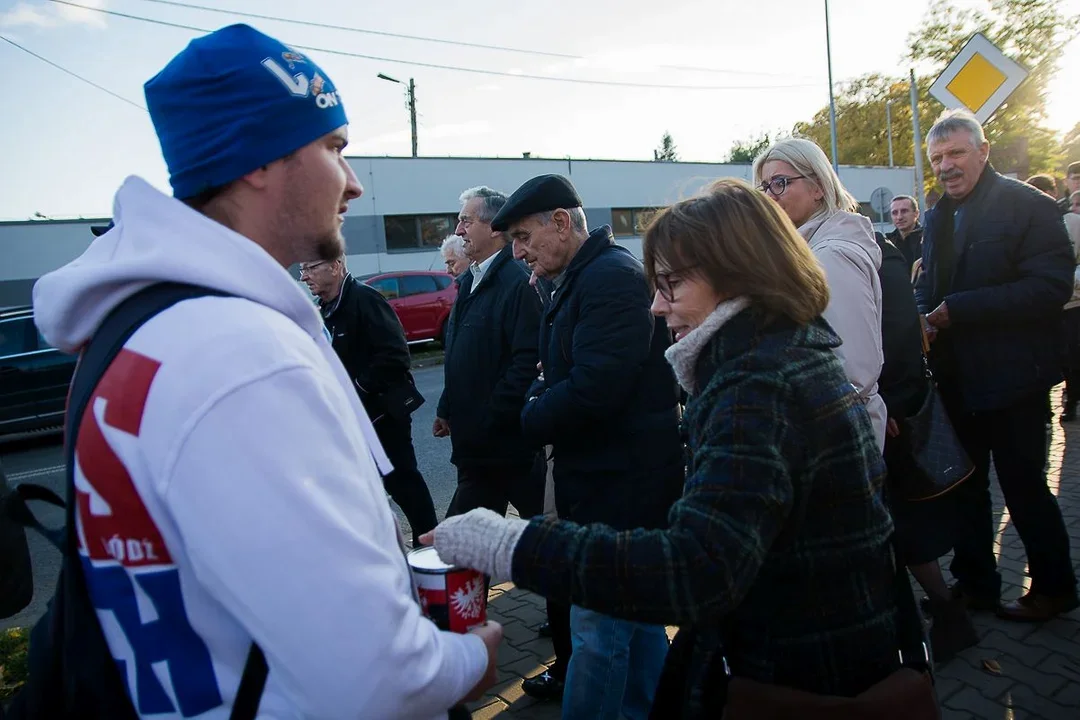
(63, 69)
(443, 41)
(435, 66)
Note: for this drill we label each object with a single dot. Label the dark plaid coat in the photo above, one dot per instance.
(778, 551)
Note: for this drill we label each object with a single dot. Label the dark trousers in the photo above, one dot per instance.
(406, 485)
(521, 485)
(1070, 360)
(495, 487)
(1015, 437)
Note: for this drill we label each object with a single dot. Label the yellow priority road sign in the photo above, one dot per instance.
(980, 78)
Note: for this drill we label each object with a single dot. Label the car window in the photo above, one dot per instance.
(18, 336)
(387, 286)
(417, 284)
(443, 281)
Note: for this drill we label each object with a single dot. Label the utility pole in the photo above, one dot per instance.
(921, 190)
(410, 96)
(832, 101)
(412, 113)
(888, 125)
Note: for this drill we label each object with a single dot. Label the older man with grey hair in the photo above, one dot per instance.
(607, 404)
(489, 364)
(453, 255)
(997, 269)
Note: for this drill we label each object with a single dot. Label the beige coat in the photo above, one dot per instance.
(844, 244)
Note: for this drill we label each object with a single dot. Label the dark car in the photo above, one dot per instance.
(421, 299)
(34, 376)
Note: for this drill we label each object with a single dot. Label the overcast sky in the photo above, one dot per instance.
(66, 146)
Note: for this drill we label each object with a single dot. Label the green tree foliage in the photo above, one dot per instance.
(1070, 148)
(1032, 32)
(744, 151)
(666, 152)
(861, 128)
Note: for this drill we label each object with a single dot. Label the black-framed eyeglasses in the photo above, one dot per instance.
(666, 284)
(306, 269)
(778, 184)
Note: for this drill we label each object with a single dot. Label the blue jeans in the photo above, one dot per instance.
(614, 669)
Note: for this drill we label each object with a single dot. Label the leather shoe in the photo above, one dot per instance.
(544, 687)
(1036, 607)
(544, 630)
(974, 603)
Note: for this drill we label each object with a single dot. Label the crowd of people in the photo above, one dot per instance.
(716, 437)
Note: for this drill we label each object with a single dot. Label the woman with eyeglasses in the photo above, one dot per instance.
(776, 560)
(797, 175)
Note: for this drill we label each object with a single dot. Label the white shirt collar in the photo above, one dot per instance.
(479, 269)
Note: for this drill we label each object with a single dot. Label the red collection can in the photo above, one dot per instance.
(454, 598)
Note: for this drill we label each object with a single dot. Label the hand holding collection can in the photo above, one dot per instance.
(455, 599)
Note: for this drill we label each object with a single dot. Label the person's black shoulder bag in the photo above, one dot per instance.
(71, 670)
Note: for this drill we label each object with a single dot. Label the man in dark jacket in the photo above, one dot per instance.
(606, 403)
(1072, 185)
(924, 529)
(368, 337)
(908, 235)
(997, 268)
(490, 361)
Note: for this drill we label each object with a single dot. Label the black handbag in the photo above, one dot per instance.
(939, 461)
(402, 400)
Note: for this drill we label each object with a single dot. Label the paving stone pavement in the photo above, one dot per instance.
(1039, 664)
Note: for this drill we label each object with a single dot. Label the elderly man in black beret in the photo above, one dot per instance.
(606, 401)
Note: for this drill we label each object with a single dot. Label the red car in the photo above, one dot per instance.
(421, 299)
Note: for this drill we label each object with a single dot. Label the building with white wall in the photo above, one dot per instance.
(410, 204)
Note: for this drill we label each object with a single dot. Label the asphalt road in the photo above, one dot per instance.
(41, 461)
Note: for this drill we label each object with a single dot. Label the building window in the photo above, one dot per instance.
(406, 233)
(629, 222)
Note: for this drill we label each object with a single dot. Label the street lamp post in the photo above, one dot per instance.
(411, 95)
(832, 101)
(920, 191)
(888, 125)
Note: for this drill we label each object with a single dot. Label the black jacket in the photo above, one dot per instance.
(368, 337)
(902, 384)
(489, 363)
(607, 403)
(1004, 277)
(910, 246)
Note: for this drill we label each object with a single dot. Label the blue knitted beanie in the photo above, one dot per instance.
(233, 101)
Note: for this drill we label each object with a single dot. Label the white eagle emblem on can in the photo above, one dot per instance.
(467, 600)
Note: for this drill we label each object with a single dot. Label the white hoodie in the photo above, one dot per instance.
(845, 246)
(229, 491)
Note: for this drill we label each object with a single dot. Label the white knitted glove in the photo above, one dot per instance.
(480, 539)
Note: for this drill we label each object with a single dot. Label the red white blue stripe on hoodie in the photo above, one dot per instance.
(129, 571)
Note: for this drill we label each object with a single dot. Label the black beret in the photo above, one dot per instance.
(541, 194)
(100, 230)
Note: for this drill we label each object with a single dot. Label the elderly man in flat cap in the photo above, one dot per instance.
(607, 404)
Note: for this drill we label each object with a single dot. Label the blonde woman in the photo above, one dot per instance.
(776, 559)
(798, 176)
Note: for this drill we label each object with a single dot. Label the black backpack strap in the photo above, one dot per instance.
(252, 682)
(96, 357)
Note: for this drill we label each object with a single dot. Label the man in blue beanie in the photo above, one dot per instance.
(230, 488)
